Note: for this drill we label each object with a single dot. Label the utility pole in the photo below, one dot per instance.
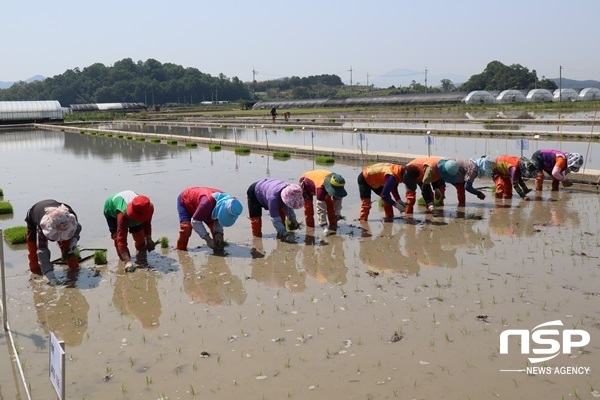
(560, 84)
(254, 72)
(350, 70)
(367, 80)
(425, 79)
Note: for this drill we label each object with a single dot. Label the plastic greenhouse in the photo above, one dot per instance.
(479, 97)
(589, 94)
(565, 95)
(539, 96)
(511, 96)
(30, 111)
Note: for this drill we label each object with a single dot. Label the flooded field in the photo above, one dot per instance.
(445, 145)
(412, 309)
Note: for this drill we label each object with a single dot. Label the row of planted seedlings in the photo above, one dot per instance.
(239, 150)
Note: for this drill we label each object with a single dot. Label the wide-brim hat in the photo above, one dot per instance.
(292, 196)
(334, 185)
(58, 223)
(229, 210)
(448, 170)
(140, 209)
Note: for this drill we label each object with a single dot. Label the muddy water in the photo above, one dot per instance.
(446, 146)
(409, 309)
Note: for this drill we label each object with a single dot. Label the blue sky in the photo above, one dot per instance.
(453, 39)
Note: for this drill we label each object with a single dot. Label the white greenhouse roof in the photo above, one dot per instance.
(29, 106)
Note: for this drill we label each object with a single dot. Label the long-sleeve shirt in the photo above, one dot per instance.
(268, 194)
(313, 184)
(116, 207)
(554, 162)
(385, 175)
(33, 220)
(200, 203)
(467, 173)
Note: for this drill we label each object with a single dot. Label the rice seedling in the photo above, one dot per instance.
(191, 144)
(100, 257)
(172, 142)
(120, 136)
(93, 133)
(164, 242)
(288, 129)
(155, 140)
(16, 235)
(140, 139)
(5, 207)
(214, 147)
(327, 160)
(282, 154)
(1, 193)
(242, 150)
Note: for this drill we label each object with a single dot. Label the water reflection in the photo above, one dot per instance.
(382, 252)
(213, 284)
(136, 296)
(326, 262)
(62, 310)
(279, 268)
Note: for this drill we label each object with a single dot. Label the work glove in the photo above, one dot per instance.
(430, 207)
(219, 242)
(400, 206)
(328, 232)
(129, 266)
(480, 196)
(567, 183)
(73, 245)
(150, 245)
(52, 281)
(294, 225)
(437, 193)
(287, 237)
(526, 198)
(209, 241)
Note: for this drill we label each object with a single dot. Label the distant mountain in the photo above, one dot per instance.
(6, 85)
(574, 84)
(403, 77)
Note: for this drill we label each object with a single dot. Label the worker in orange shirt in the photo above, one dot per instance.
(382, 179)
(329, 190)
(423, 172)
(509, 172)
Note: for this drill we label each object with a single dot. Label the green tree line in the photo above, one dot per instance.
(152, 82)
(149, 82)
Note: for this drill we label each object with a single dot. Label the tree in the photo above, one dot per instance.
(447, 85)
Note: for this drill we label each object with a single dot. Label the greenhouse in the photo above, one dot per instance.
(479, 97)
(589, 94)
(12, 112)
(565, 95)
(511, 96)
(107, 107)
(539, 96)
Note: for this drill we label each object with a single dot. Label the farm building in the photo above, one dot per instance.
(123, 107)
(589, 94)
(565, 95)
(22, 112)
(479, 97)
(511, 96)
(539, 96)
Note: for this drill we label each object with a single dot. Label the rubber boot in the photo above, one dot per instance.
(389, 212)
(411, 199)
(555, 184)
(331, 217)
(460, 194)
(283, 216)
(309, 213)
(539, 181)
(34, 264)
(365, 208)
(499, 187)
(185, 231)
(256, 224)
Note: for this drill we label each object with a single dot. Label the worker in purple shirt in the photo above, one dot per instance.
(280, 199)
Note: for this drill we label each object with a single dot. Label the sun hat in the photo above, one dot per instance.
(428, 174)
(140, 209)
(574, 161)
(58, 223)
(227, 210)
(334, 185)
(448, 170)
(291, 195)
(485, 165)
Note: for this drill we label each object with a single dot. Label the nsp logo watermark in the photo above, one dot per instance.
(547, 338)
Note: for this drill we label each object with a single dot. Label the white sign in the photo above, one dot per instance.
(522, 144)
(57, 365)
(546, 346)
(429, 140)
